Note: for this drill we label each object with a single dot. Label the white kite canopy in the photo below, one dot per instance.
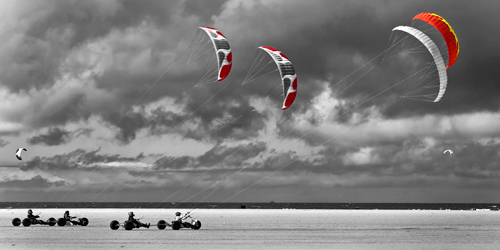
(448, 151)
(18, 153)
(436, 55)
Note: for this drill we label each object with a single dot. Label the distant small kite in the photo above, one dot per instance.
(18, 153)
(449, 151)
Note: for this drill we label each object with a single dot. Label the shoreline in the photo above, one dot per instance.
(255, 205)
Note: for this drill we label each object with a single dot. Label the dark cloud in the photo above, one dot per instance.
(46, 49)
(165, 121)
(75, 159)
(128, 125)
(217, 157)
(241, 123)
(213, 121)
(33, 183)
(54, 136)
(245, 126)
(58, 136)
(175, 162)
(70, 108)
(232, 156)
(35, 56)
(287, 161)
(204, 10)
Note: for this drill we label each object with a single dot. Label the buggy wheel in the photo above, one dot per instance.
(161, 224)
(176, 225)
(51, 221)
(114, 225)
(196, 225)
(129, 225)
(61, 222)
(16, 222)
(26, 222)
(84, 221)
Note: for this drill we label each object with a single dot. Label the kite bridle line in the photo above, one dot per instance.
(255, 65)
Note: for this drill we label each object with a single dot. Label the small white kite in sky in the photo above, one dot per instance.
(18, 153)
(449, 151)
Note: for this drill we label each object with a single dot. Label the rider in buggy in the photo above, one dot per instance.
(34, 218)
(137, 223)
(179, 217)
(69, 218)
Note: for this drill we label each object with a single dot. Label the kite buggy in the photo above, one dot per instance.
(68, 220)
(178, 223)
(33, 220)
(129, 224)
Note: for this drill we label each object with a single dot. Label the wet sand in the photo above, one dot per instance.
(261, 229)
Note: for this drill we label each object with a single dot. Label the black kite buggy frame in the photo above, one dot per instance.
(176, 225)
(128, 225)
(79, 221)
(28, 222)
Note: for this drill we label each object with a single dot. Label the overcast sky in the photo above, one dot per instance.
(102, 97)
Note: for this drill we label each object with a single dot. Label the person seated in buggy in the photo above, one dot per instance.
(69, 218)
(137, 223)
(179, 217)
(34, 218)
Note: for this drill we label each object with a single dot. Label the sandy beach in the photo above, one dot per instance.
(264, 229)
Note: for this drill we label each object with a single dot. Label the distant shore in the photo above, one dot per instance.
(254, 205)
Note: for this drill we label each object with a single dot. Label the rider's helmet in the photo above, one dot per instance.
(29, 211)
(67, 212)
(177, 213)
(131, 214)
